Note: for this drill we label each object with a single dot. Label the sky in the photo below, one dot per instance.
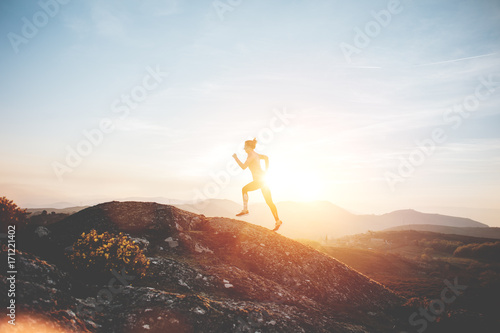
(372, 105)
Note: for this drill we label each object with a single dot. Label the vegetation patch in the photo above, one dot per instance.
(102, 253)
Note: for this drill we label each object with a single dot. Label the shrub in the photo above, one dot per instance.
(425, 257)
(11, 214)
(428, 251)
(101, 253)
(441, 245)
(484, 251)
(489, 279)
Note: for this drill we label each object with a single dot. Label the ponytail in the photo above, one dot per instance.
(251, 143)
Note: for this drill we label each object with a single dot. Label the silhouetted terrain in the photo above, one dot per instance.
(206, 275)
(416, 264)
(66, 210)
(324, 219)
(44, 218)
(466, 231)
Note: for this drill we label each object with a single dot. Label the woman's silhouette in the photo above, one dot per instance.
(253, 163)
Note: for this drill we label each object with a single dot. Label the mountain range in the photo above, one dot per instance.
(317, 220)
(487, 216)
(323, 219)
(492, 233)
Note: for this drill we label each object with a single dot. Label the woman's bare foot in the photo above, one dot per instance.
(277, 225)
(243, 212)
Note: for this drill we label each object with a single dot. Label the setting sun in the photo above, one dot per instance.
(295, 184)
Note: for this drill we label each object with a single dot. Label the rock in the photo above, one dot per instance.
(42, 231)
(200, 248)
(142, 242)
(68, 250)
(171, 242)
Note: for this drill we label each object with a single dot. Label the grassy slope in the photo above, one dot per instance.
(400, 264)
(407, 277)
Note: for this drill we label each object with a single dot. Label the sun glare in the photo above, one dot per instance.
(295, 185)
(32, 323)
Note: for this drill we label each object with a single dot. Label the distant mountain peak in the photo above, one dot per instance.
(320, 219)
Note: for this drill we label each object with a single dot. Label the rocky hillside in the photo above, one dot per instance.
(206, 275)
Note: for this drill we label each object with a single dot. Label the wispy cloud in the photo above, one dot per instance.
(226, 77)
(456, 60)
(147, 127)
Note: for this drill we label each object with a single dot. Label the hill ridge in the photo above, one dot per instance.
(231, 263)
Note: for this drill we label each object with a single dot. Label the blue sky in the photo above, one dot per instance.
(355, 119)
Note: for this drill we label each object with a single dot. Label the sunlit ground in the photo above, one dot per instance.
(32, 323)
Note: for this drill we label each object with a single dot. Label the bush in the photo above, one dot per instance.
(101, 253)
(425, 257)
(441, 245)
(490, 279)
(484, 251)
(11, 214)
(428, 251)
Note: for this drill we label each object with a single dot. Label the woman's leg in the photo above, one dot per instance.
(252, 186)
(266, 192)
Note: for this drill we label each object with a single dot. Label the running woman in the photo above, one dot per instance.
(253, 163)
